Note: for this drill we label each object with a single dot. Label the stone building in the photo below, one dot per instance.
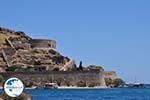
(43, 44)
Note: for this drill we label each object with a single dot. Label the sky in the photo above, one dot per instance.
(112, 33)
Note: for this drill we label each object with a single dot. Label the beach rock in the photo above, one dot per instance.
(23, 96)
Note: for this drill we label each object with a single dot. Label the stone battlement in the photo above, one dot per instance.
(43, 43)
(63, 78)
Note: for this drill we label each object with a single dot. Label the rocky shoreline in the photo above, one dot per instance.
(23, 96)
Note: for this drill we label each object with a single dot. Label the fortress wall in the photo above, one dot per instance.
(43, 43)
(110, 74)
(67, 77)
(24, 46)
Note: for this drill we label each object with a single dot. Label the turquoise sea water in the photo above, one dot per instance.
(90, 94)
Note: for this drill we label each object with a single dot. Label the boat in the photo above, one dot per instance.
(50, 86)
(30, 88)
(135, 85)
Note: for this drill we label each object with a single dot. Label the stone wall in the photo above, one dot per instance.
(62, 78)
(43, 43)
(110, 74)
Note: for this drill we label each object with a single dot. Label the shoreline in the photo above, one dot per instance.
(98, 87)
(70, 87)
(65, 87)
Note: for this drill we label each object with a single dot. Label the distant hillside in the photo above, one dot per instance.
(19, 52)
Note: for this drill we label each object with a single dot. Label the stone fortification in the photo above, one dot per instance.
(43, 43)
(62, 78)
(18, 49)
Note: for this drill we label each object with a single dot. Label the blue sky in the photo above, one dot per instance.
(111, 33)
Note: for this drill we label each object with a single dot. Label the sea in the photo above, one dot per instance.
(90, 94)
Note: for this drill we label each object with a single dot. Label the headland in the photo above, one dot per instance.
(37, 61)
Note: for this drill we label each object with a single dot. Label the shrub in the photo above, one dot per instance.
(13, 68)
(117, 82)
(108, 81)
(95, 67)
(31, 69)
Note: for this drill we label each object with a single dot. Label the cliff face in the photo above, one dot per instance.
(110, 74)
(21, 51)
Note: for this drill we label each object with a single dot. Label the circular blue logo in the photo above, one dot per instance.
(13, 87)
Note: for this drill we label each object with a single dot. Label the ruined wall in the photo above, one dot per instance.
(43, 43)
(110, 74)
(70, 77)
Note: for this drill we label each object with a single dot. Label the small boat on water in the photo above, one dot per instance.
(137, 85)
(30, 88)
(50, 86)
(134, 85)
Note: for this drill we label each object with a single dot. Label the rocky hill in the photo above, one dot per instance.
(19, 52)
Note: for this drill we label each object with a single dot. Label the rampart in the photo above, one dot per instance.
(63, 78)
(43, 43)
(110, 74)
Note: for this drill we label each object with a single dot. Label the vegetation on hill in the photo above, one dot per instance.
(118, 82)
(95, 67)
(114, 83)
